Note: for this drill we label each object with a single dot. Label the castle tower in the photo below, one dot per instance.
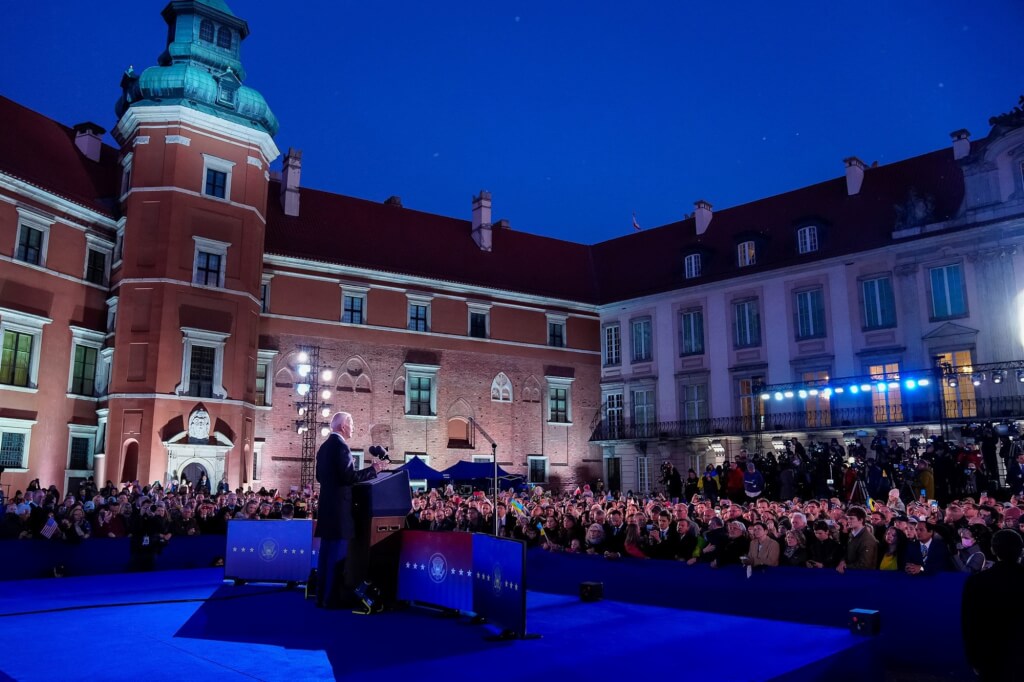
(196, 145)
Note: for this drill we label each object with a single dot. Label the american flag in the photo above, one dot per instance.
(49, 528)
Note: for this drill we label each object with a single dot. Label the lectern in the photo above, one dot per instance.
(379, 508)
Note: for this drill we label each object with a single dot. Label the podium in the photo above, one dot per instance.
(379, 508)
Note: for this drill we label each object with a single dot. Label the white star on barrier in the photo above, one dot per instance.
(453, 571)
(302, 551)
(407, 564)
(234, 549)
(460, 571)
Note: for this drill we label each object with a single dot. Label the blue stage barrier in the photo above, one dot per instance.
(22, 559)
(499, 582)
(436, 568)
(269, 550)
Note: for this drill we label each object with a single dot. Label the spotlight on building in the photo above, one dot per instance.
(303, 356)
(802, 393)
(952, 381)
(865, 388)
(325, 394)
(894, 384)
(882, 387)
(304, 369)
(302, 389)
(923, 382)
(302, 410)
(910, 383)
(325, 431)
(978, 378)
(325, 412)
(813, 391)
(1020, 375)
(840, 389)
(326, 375)
(766, 396)
(788, 394)
(778, 395)
(854, 389)
(998, 376)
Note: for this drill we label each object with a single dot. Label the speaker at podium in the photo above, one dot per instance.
(379, 508)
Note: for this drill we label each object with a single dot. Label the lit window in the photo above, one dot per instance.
(746, 254)
(85, 365)
(643, 412)
(421, 390)
(261, 383)
(807, 239)
(614, 415)
(21, 335)
(264, 377)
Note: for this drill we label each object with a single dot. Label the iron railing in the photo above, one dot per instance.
(955, 413)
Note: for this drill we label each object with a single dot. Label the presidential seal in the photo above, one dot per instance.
(437, 567)
(268, 549)
(496, 584)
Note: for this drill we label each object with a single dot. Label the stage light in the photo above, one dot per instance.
(840, 389)
(977, 378)
(854, 389)
(325, 431)
(325, 394)
(894, 384)
(998, 376)
(302, 389)
(303, 356)
(325, 412)
(302, 410)
(813, 391)
(952, 381)
(802, 393)
(923, 382)
(882, 386)
(766, 396)
(826, 393)
(1020, 375)
(326, 375)
(910, 383)
(852, 460)
(865, 388)
(778, 395)
(304, 370)
(788, 394)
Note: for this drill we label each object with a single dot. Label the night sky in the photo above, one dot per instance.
(573, 114)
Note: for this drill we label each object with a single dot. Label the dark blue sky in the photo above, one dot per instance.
(573, 114)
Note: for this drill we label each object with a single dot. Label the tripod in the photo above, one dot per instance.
(859, 491)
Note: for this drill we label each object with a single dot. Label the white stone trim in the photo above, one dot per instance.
(191, 336)
(179, 282)
(556, 318)
(103, 371)
(215, 247)
(215, 163)
(22, 426)
(192, 193)
(28, 218)
(104, 246)
(102, 416)
(178, 139)
(27, 190)
(421, 371)
(357, 291)
(141, 139)
(253, 161)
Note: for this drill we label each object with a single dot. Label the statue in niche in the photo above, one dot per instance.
(916, 210)
(199, 426)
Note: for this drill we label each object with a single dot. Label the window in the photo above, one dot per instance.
(691, 266)
(614, 415)
(80, 449)
(612, 345)
(750, 412)
(264, 377)
(15, 435)
(501, 389)
(886, 400)
(206, 30)
(643, 474)
(693, 403)
(959, 399)
(556, 331)
(265, 293)
(746, 324)
(209, 267)
(817, 405)
(691, 327)
(643, 412)
(224, 37)
(879, 304)
(478, 325)
(21, 335)
(947, 292)
(111, 314)
(537, 468)
(33, 237)
(559, 400)
(482, 459)
(807, 239)
(217, 177)
(96, 267)
(83, 371)
(202, 366)
(353, 312)
(126, 173)
(119, 243)
(810, 314)
(421, 390)
(641, 340)
(746, 254)
(418, 317)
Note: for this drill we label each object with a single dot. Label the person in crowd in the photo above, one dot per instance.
(736, 545)
(824, 551)
(893, 549)
(928, 553)
(762, 550)
(709, 487)
(992, 602)
(691, 486)
(633, 542)
(794, 553)
(969, 557)
(753, 482)
(861, 546)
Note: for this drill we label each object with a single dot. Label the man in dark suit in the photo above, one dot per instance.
(336, 474)
(990, 613)
(929, 554)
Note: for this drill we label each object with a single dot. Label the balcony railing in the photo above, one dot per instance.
(953, 412)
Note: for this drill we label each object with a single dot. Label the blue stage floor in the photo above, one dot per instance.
(182, 625)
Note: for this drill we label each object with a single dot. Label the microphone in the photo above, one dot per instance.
(380, 453)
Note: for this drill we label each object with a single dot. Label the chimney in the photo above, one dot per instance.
(393, 200)
(89, 140)
(854, 175)
(961, 143)
(482, 220)
(291, 171)
(701, 216)
(503, 224)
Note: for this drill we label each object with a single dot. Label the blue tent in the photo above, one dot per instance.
(419, 470)
(479, 471)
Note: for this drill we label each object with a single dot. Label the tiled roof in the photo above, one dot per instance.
(356, 232)
(651, 262)
(42, 152)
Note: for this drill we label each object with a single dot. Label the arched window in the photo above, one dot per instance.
(501, 389)
(206, 30)
(224, 37)
(458, 433)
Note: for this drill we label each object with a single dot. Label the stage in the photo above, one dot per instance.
(191, 624)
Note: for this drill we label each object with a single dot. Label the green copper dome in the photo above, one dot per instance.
(201, 68)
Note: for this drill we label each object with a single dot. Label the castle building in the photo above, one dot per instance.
(173, 308)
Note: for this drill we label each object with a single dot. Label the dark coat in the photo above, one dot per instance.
(991, 623)
(336, 474)
(938, 556)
